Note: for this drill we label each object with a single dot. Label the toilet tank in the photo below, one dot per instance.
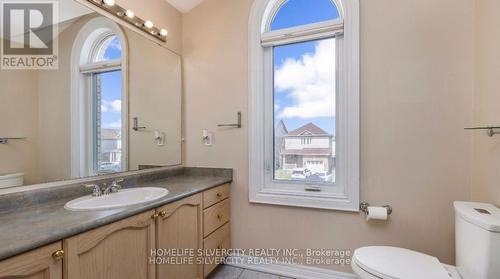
(477, 240)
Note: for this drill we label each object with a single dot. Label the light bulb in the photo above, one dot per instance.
(164, 32)
(148, 24)
(130, 14)
(109, 2)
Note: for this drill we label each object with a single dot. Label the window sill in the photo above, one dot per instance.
(330, 202)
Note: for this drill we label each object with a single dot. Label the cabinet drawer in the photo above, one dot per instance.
(220, 239)
(215, 216)
(215, 195)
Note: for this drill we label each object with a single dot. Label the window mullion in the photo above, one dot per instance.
(104, 66)
(302, 33)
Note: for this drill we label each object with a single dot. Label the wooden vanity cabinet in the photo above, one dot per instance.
(42, 263)
(179, 228)
(124, 249)
(115, 251)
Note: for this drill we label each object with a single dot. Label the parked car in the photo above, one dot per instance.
(327, 177)
(109, 167)
(300, 173)
(315, 178)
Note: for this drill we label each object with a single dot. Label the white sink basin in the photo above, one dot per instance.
(119, 199)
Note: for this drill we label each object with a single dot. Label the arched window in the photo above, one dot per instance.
(304, 103)
(99, 103)
(302, 12)
(108, 48)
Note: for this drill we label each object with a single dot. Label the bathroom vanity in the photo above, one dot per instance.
(48, 241)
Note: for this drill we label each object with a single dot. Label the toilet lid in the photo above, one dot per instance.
(392, 262)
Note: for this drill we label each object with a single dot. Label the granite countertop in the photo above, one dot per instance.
(37, 225)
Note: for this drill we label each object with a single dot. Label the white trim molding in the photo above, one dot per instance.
(344, 194)
(285, 269)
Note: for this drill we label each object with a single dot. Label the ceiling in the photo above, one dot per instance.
(184, 6)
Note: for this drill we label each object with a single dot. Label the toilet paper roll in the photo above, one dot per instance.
(376, 213)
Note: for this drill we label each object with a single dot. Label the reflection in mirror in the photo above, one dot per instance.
(77, 119)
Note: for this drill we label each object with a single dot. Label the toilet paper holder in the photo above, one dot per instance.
(364, 207)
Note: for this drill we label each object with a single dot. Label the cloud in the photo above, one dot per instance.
(112, 125)
(113, 106)
(115, 44)
(310, 83)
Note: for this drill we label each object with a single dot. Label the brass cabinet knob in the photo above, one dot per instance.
(58, 255)
(219, 216)
(219, 195)
(162, 213)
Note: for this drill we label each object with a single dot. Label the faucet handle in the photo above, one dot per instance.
(115, 186)
(115, 183)
(119, 180)
(96, 192)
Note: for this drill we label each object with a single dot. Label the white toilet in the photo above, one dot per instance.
(477, 244)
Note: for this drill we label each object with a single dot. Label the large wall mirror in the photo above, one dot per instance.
(112, 104)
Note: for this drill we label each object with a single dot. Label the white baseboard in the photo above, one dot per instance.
(285, 269)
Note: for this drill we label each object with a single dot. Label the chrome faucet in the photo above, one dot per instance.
(96, 192)
(113, 188)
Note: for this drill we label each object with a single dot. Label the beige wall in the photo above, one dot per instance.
(155, 98)
(18, 114)
(417, 63)
(54, 109)
(486, 160)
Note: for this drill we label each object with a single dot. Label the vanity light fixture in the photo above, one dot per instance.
(148, 24)
(110, 3)
(129, 16)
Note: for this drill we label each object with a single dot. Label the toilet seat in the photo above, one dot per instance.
(396, 263)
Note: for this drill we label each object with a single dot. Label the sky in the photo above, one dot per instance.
(305, 72)
(111, 85)
(111, 104)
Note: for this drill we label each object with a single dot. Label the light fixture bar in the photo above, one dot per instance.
(146, 26)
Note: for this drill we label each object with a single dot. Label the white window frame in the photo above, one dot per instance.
(82, 135)
(261, 153)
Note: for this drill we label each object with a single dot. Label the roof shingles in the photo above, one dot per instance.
(308, 129)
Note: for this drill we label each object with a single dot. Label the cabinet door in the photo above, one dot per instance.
(116, 251)
(41, 263)
(180, 227)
